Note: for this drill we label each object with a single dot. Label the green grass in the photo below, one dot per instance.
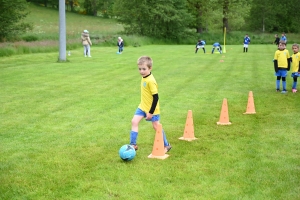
(62, 125)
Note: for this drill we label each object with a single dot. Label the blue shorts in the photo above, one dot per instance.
(281, 72)
(295, 74)
(142, 113)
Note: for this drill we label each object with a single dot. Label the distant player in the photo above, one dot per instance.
(276, 40)
(283, 37)
(217, 46)
(200, 44)
(281, 66)
(120, 44)
(246, 43)
(295, 58)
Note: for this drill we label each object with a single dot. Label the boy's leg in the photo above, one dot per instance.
(246, 49)
(283, 83)
(284, 74)
(196, 50)
(295, 83)
(135, 128)
(203, 49)
(278, 83)
(212, 51)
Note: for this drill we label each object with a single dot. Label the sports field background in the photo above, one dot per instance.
(62, 125)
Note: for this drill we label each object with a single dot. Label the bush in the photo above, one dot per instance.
(6, 51)
(30, 38)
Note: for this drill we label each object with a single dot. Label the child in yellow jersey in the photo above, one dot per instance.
(149, 105)
(281, 66)
(295, 58)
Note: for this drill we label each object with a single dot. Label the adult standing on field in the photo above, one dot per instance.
(246, 43)
(86, 42)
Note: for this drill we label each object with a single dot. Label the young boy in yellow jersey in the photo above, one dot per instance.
(281, 66)
(149, 105)
(295, 58)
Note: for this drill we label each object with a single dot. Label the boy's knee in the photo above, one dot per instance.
(134, 122)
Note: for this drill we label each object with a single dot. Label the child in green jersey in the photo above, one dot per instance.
(149, 105)
(295, 58)
(281, 66)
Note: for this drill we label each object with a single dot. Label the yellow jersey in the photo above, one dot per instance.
(282, 57)
(295, 62)
(149, 87)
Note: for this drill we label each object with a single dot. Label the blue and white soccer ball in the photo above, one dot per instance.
(127, 152)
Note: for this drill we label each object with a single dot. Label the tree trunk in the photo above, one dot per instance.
(199, 29)
(225, 14)
(72, 5)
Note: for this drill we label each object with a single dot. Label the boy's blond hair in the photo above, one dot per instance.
(295, 45)
(282, 42)
(145, 60)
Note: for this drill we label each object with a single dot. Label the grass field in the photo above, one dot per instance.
(62, 125)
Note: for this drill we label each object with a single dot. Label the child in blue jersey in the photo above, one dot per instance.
(283, 38)
(149, 106)
(200, 44)
(281, 66)
(295, 58)
(120, 44)
(246, 43)
(217, 46)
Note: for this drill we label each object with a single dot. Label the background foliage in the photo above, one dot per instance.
(11, 16)
(172, 19)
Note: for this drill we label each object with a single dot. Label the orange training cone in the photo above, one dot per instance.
(158, 150)
(250, 106)
(188, 134)
(224, 117)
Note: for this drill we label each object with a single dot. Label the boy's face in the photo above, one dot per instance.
(281, 46)
(144, 69)
(295, 49)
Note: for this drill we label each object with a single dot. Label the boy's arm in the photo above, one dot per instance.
(289, 63)
(276, 65)
(154, 103)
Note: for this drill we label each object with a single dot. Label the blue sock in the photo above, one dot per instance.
(294, 85)
(277, 84)
(133, 137)
(284, 85)
(166, 143)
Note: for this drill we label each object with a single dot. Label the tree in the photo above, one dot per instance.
(11, 16)
(155, 18)
(92, 6)
(202, 11)
(234, 12)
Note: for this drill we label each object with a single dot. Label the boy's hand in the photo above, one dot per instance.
(149, 116)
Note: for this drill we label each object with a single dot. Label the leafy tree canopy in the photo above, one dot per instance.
(11, 16)
(155, 18)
